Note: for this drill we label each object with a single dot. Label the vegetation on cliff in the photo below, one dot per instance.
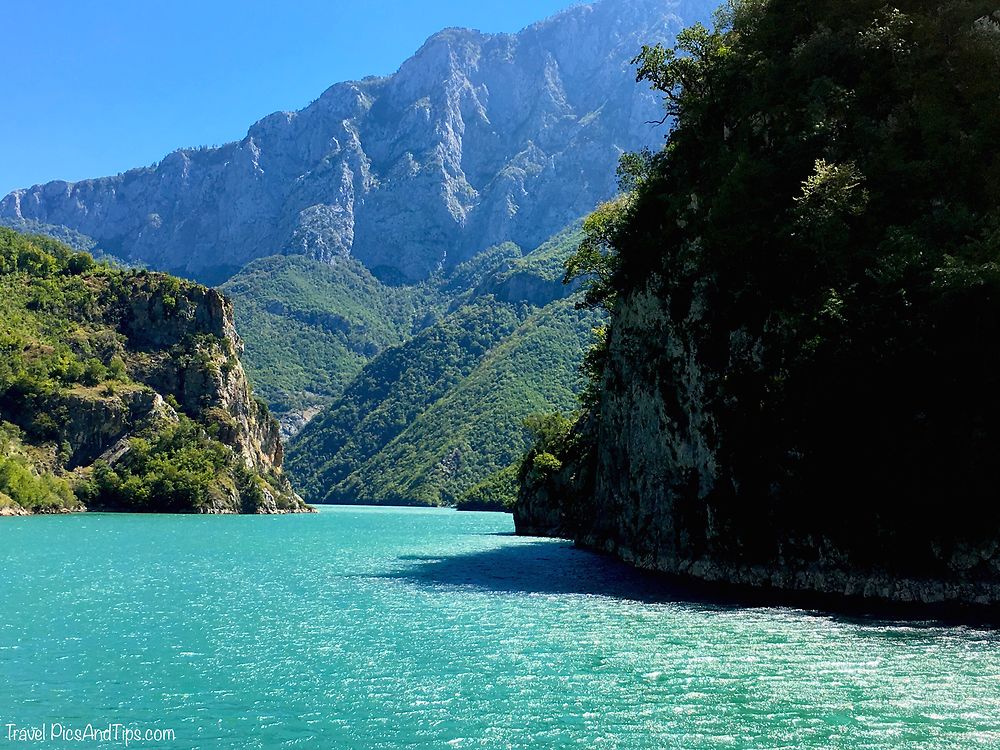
(123, 389)
(311, 326)
(440, 415)
(804, 289)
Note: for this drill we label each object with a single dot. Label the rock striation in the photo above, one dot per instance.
(477, 139)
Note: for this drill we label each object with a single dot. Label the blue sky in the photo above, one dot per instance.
(95, 88)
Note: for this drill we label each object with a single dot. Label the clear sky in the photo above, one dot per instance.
(95, 87)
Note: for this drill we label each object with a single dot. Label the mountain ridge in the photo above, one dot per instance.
(476, 139)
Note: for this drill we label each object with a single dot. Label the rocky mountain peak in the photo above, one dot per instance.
(476, 140)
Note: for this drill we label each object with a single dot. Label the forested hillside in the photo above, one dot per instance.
(800, 386)
(427, 420)
(123, 390)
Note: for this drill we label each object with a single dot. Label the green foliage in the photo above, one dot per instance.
(497, 493)
(409, 371)
(49, 338)
(23, 483)
(550, 434)
(72, 334)
(824, 220)
(178, 468)
(595, 258)
(428, 421)
(390, 394)
(81, 243)
(309, 327)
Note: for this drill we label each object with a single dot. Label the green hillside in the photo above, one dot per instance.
(476, 429)
(310, 327)
(426, 421)
(390, 394)
(123, 390)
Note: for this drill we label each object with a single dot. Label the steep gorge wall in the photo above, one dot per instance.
(188, 347)
(165, 422)
(655, 486)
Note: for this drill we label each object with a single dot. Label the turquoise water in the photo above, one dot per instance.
(365, 628)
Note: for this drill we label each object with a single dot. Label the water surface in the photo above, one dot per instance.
(370, 628)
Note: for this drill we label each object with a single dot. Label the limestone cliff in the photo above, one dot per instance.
(799, 391)
(477, 139)
(126, 388)
(652, 484)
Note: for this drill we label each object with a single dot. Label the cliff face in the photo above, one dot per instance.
(654, 488)
(799, 391)
(476, 140)
(124, 390)
(188, 348)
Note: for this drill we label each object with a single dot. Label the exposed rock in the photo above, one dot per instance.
(175, 348)
(646, 488)
(477, 139)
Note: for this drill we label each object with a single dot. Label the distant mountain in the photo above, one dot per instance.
(477, 139)
(426, 421)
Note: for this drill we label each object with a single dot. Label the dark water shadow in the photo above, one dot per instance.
(560, 568)
(545, 568)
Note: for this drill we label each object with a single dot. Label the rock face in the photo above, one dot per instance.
(206, 378)
(123, 390)
(793, 397)
(477, 139)
(653, 488)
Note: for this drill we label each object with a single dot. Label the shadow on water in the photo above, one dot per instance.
(560, 568)
(544, 568)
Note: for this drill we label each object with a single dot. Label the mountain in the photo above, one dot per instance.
(123, 390)
(394, 250)
(476, 140)
(311, 326)
(427, 420)
(800, 390)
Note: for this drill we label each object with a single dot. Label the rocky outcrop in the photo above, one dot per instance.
(477, 139)
(97, 418)
(188, 348)
(188, 351)
(654, 488)
(799, 392)
(123, 390)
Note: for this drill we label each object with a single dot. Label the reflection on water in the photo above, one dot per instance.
(387, 628)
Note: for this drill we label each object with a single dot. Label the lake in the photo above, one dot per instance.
(401, 628)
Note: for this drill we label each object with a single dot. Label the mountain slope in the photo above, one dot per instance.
(123, 390)
(476, 140)
(476, 429)
(310, 327)
(390, 394)
(444, 412)
(425, 421)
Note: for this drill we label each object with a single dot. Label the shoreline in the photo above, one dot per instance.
(20, 512)
(858, 604)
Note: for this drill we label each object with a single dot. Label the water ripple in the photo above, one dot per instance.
(431, 629)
